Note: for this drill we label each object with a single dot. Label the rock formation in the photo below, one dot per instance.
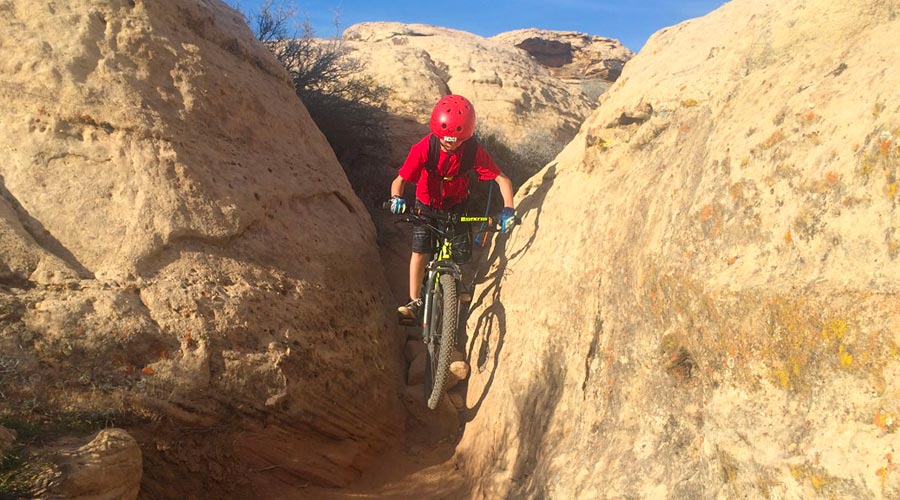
(181, 251)
(702, 300)
(106, 467)
(517, 98)
(520, 100)
(587, 63)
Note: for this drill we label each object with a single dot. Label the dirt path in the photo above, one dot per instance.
(402, 474)
(418, 468)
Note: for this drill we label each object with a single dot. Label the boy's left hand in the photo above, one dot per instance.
(398, 205)
(507, 219)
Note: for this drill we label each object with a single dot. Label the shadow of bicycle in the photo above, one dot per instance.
(487, 337)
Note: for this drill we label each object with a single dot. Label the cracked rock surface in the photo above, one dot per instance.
(179, 247)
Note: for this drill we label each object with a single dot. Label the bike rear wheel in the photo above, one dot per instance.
(444, 322)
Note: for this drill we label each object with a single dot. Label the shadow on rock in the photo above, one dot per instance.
(537, 406)
(489, 280)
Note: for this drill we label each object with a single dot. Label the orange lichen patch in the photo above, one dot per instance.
(773, 139)
(682, 87)
(818, 482)
(732, 260)
(788, 238)
(689, 103)
(832, 177)
(711, 221)
(810, 116)
(148, 371)
(882, 475)
(856, 147)
(886, 147)
(818, 478)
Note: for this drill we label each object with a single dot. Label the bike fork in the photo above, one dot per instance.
(428, 303)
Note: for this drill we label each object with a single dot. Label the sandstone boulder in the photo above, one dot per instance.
(416, 373)
(516, 98)
(722, 314)
(108, 467)
(587, 63)
(179, 245)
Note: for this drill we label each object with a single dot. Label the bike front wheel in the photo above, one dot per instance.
(444, 321)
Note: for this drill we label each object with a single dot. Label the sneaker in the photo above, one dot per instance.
(410, 310)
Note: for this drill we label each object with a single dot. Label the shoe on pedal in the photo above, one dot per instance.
(410, 311)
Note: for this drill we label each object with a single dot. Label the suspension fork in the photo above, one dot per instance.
(433, 273)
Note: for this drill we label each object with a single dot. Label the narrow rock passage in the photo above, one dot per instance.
(424, 464)
(403, 474)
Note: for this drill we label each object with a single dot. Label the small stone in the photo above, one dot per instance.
(276, 400)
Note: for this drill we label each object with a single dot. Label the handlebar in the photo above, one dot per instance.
(418, 217)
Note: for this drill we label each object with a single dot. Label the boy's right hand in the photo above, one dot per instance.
(398, 205)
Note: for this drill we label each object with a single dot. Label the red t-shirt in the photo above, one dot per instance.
(446, 190)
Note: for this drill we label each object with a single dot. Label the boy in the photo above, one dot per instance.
(453, 123)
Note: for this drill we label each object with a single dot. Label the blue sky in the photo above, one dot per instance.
(629, 21)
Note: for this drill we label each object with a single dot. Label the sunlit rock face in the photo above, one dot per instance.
(589, 64)
(702, 299)
(180, 248)
(518, 99)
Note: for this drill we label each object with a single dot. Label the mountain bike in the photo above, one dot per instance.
(441, 293)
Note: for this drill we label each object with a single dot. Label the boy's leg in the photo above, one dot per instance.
(422, 246)
(416, 274)
(417, 263)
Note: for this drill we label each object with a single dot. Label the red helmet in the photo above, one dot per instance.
(453, 118)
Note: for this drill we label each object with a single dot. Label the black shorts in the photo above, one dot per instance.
(423, 240)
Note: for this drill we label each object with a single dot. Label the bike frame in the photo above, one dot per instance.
(441, 263)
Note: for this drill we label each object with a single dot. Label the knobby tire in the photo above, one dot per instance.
(444, 320)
